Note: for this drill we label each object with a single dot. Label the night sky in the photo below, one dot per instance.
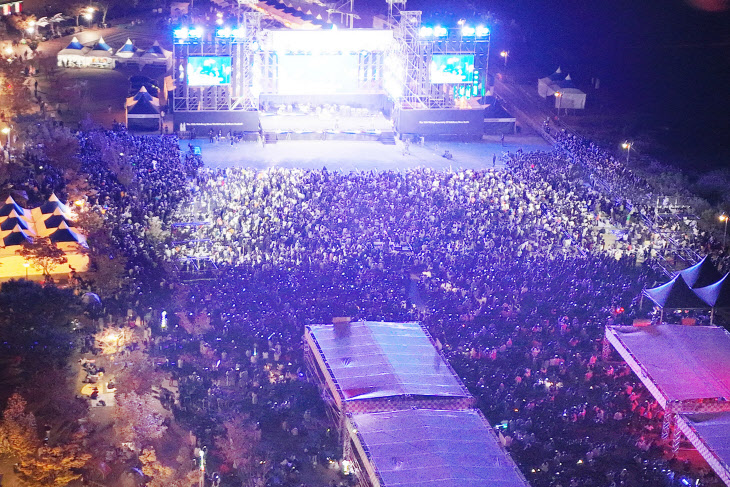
(665, 62)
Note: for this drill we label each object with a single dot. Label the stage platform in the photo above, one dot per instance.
(347, 156)
(326, 126)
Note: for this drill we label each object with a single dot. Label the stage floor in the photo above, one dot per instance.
(322, 122)
(349, 156)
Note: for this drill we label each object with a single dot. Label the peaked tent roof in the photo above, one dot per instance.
(51, 205)
(143, 107)
(74, 45)
(128, 50)
(15, 238)
(716, 295)
(8, 208)
(64, 234)
(701, 274)
(11, 223)
(557, 75)
(54, 221)
(101, 45)
(156, 51)
(675, 294)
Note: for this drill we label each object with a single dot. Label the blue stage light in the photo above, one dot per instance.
(197, 32)
(181, 33)
(439, 31)
(467, 31)
(224, 32)
(425, 31)
(482, 31)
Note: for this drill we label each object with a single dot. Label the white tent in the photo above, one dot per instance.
(101, 55)
(546, 85)
(142, 94)
(73, 55)
(156, 56)
(127, 51)
(570, 97)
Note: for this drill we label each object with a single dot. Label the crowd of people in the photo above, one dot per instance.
(515, 272)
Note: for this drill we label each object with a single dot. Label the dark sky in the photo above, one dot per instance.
(663, 59)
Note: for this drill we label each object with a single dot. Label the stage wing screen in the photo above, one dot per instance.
(317, 74)
(209, 70)
(452, 68)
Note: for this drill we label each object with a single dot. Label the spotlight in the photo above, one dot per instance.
(425, 32)
(439, 31)
(482, 31)
(467, 31)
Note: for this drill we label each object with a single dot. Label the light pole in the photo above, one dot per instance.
(724, 218)
(6, 131)
(26, 265)
(558, 101)
(89, 14)
(505, 55)
(627, 145)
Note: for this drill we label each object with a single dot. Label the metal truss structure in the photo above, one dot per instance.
(412, 56)
(240, 94)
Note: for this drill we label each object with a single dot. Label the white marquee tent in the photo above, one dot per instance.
(73, 55)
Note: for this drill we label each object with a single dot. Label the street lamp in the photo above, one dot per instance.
(6, 131)
(627, 146)
(505, 55)
(724, 218)
(558, 101)
(89, 14)
(26, 265)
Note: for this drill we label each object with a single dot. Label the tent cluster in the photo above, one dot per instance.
(101, 55)
(143, 111)
(566, 94)
(698, 287)
(54, 220)
(288, 11)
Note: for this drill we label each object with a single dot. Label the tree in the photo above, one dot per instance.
(55, 466)
(109, 273)
(158, 473)
(240, 444)
(35, 324)
(18, 431)
(155, 231)
(136, 419)
(38, 464)
(139, 374)
(43, 254)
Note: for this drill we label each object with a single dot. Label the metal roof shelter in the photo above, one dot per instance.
(431, 448)
(710, 434)
(687, 370)
(367, 365)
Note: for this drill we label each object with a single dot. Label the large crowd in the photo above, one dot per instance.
(515, 272)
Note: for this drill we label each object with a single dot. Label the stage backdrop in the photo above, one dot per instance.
(456, 123)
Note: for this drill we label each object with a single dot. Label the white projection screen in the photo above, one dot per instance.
(317, 74)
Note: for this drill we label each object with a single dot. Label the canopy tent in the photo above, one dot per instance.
(72, 55)
(143, 115)
(367, 362)
(545, 86)
(15, 238)
(9, 223)
(569, 97)
(127, 51)
(716, 295)
(142, 94)
(709, 433)
(55, 220)
(674, 295)
(431, 448)
(156, 56)
(701, 274)
(65, 234)
(101, 55)
(10, 206)
(677, 363)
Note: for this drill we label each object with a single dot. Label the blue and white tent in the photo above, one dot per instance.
(157, 56)
(127, 51)
(72, 55)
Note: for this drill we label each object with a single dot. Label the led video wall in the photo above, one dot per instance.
(452, 68)
(317, 74)
(209, 70)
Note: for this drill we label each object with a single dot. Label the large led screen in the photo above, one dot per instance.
(209, 70)
(452, 68)
(317, 74)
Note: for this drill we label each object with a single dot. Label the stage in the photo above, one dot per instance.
(325, 121)
(350, 156)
